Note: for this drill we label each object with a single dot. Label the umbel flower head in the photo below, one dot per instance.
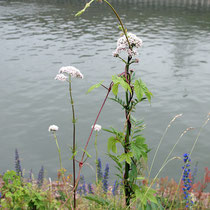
(61, 77)
(71, 71)
(96, 127)
(122, 45)
(53, 128)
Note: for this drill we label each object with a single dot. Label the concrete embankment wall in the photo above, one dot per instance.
(169, 2)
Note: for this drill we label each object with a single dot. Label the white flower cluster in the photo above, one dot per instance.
(69, 70)
(96, 127)
(122, 45)
(61, 77)
(53, 128)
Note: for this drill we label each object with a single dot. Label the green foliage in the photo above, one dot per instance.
(119, 101)
(111, 145)
(99, 200)
(136, 127)
(145, 194)
(113, 140)
(19, 194)
(94, 86)
(133, 173)
(115, 89)
(83, 10)
(119, 81)
(140, 89)
(88, 155)
(118, 166)
(126, 156)
(139, 148)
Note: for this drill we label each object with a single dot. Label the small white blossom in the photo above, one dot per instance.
(96, 127)
(61, 77)
(72, 71)
(122, 45)
(53, 128)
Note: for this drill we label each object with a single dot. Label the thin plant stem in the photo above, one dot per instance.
(58, 148)
(122, 59)
(169, 125)
(96, 148)
(199, 133)
(121, 23)
(86, 145)
(74, 140)
(185, 131)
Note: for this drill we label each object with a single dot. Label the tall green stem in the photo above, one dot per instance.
(96, 148)
(74, 140)
(59, 151)
(121, 23)
(126, 148)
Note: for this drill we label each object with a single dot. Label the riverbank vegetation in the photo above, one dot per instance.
(20, 192)
(134, 187)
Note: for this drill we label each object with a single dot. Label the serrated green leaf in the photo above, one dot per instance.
(111, 145)
(119, 80)
(149, 194)
(147, 92)
(126, 157)
(119, 101)
(94, 86)
(115, 159)
(114, 148)
(112, 130)
(140, 140)
(133, 172)
(138, 89)
(115, 88)
(138, 148)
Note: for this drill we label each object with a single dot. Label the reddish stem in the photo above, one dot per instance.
(83, 155)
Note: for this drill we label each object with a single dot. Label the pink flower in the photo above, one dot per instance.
(72, 71)
(96, 127)
(61, 77)
(122, 45)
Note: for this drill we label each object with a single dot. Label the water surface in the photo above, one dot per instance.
(39, 37)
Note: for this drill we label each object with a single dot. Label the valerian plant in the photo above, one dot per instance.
(133, 143)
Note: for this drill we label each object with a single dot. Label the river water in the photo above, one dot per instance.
(39, 37)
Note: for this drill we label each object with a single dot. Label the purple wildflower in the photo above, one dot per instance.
(17, 164)
(79, 190)
(186, 179)
(90, 189)
(105, 178)
(82, 180)
(40, 179)
(99, 170)
(115, 187)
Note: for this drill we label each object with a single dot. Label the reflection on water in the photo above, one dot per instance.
(39, 37)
